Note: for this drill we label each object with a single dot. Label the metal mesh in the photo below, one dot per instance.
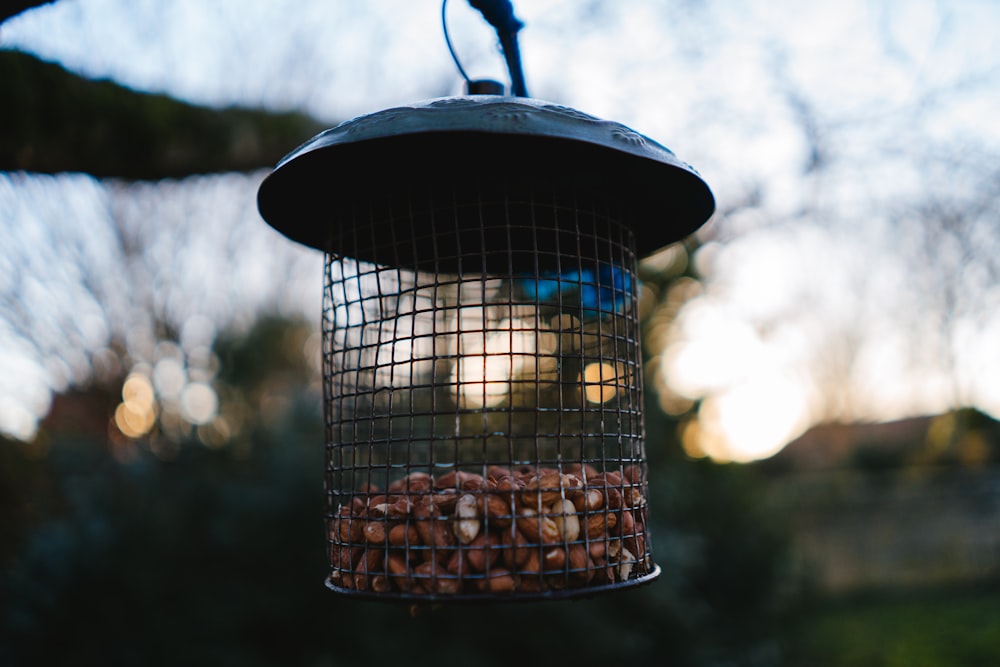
(483, 399)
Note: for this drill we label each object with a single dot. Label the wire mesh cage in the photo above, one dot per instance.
(481, 349)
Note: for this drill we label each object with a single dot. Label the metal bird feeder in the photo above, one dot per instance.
(481, 354)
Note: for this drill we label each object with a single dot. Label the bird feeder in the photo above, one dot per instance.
(481, 354)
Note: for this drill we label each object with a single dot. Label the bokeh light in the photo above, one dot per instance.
(600, 382)
(136, 414)
(199, 403)
(490, 359)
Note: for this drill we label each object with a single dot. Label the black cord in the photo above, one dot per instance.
(500, 14)
(447, 39)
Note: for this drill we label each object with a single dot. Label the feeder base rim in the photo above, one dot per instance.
(565, 594)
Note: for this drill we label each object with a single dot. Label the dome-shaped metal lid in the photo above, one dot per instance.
(510, 142)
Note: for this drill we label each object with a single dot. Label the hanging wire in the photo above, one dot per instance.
(447, 39)
(499, 14)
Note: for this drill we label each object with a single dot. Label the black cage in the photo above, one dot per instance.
(481, 352)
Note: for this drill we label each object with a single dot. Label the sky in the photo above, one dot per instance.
(837, 136)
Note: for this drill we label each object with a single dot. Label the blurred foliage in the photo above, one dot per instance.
(944, 628)
(217, 556)
(55, 121)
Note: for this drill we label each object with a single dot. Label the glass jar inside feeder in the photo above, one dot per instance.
(481, 354)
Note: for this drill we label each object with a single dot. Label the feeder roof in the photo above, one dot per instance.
(484, 142)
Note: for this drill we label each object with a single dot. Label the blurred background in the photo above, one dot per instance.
(822, 360)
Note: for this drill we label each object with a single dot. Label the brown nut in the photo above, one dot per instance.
(515, 549)
(458, 563)
(399, 573)
(632, 534)
(533, 565)
(626, 524)
(614, 548)
(637, 545)
(483, 552)
(525, 472)
(633, 474)
(399, 507)
(496, 508)
(556, 581)
(614, 477)
(377, 504)
(375, 532)
(581, 470)
(349, 527)
(531, 584)
(599, 525)
(498, 472)
(625, 564)
(435, 579)
(610, 485)
(547, 488)
(537, 529)
(499, 580)
(506, 485)
(423, 516)
(581, 568)
(554, 559)
(414, 483)
(466, 525)
(434, 532)
(403, 535)
(370, 563)
(566, 519)
(603, 573)
(587, 500)
(380, 583)
(459, 479)
(598, 548)
(345, 558)
(633, 497)
(442, 537)
(444, 500)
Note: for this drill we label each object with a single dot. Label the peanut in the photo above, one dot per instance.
(633, 497)
(516, 551)
(499, 580)
(600, 525)
(375, 532)
(403, 534)
(554, 559)
(371, 562)
(587, 500)
(537, 529)
(435, 579)
(625, 564)
(547, 488)
(466, 526)
(483, 552)
(580, 565)
(496, 509)
(567, 522)
(350, 527)
(610, 484)
(528, 530)
(399, 573)
(414, 483)
(458, 479)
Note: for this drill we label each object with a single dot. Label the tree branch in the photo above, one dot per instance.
(56, 121)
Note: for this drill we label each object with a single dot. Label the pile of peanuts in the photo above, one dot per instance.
(526, 530)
